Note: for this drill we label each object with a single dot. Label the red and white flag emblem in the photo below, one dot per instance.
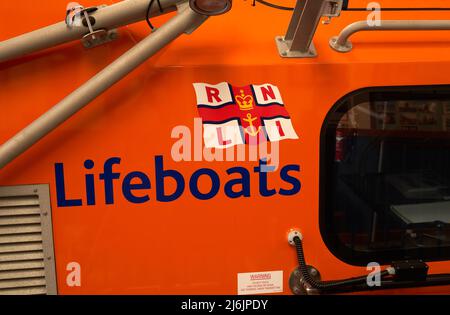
(240, 115)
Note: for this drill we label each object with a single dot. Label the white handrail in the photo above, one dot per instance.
(342, 43)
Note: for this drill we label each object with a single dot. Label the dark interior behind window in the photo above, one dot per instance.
(385, 175)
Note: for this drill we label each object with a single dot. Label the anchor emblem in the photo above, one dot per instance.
(251, 129)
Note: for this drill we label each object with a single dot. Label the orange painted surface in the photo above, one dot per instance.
(191, 246)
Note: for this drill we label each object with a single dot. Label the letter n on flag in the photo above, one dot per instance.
(242, 115)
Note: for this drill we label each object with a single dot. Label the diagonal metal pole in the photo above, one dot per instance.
(298, 41)
(302, 34)
(184, 22)
(110, 17)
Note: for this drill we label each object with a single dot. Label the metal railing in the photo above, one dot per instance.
(342, 43)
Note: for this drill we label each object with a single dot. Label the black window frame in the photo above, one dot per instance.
(327, 155)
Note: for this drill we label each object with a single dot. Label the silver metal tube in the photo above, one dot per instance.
(342, 43)
(185, 21)
(307, 26)
(110, 17)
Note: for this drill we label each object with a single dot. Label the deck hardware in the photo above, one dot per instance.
(110, 17)
(79, 16)
(99, 37)
(298, 41)
(96, 37)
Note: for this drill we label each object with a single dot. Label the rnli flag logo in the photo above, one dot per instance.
(242, 115)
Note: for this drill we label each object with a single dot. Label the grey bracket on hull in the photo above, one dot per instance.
(298, 41)
(95, 37)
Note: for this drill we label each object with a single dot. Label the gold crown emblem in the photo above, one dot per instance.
(245, 102)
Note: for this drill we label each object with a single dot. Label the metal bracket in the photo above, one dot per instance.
(299, 286)
(284, 48)
(99, 37)
(185, 21)
(298, 41)
(333, 9)
(78, 16)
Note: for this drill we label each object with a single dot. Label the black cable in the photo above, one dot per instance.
(147, 16)
(272, 5)
(326, 285)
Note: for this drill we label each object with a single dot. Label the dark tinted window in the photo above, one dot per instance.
(385, 175)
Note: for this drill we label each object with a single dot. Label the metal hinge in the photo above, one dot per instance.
(78, 16)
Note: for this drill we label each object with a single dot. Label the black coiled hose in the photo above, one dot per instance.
(326, 285)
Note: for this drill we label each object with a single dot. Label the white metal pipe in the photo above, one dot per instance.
(109, 17)
(342, 43)
(185, 21)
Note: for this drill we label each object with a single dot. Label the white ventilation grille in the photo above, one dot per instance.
(27, 263)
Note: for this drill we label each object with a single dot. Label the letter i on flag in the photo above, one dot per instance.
(242, 115)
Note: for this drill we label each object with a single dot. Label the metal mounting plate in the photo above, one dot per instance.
(285, 52)
(99, 37)
(343, 49)
(298, 285)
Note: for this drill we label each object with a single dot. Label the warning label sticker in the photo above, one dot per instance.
(260, 282)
